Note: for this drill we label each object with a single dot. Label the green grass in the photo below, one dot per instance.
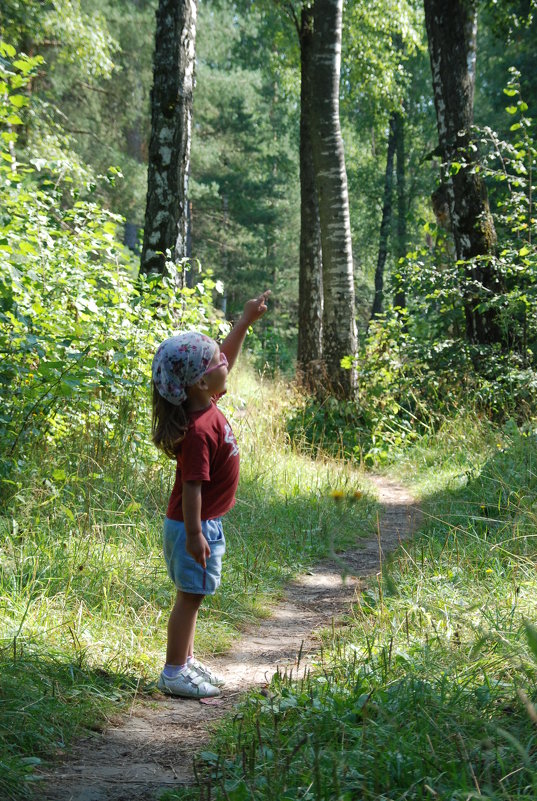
(84, 595)
(429, 690)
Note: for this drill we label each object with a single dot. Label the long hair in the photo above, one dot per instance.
(169, 424)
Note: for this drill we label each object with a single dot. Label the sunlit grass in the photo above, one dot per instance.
(448, 457)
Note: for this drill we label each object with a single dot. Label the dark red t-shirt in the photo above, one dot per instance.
(208, 453)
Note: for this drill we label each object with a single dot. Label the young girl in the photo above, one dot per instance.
(189, 374)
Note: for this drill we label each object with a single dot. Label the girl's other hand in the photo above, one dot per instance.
(198, 548)
(256, 308)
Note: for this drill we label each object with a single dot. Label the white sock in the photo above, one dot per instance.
(172, 671)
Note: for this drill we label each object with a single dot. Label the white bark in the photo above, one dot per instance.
(171, 132)
(339, 325)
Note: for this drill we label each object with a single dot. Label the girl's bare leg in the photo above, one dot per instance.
(182, 627)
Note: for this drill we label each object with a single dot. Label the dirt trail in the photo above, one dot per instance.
(152, 748)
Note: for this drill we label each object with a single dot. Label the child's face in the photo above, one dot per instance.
(216, 373)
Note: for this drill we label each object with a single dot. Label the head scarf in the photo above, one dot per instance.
(179, 362)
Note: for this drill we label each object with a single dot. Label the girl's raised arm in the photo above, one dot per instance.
(253, 310)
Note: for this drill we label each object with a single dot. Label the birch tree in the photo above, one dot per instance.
(310, 288)
(399, 300)
(386, 220)
(171, 124)
(452, 32)
(339, 324)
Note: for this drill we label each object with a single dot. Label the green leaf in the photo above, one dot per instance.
(26, 248)
(31, 760)
(511, 109)
(531, 634)
(59, 475)
(18, 101)
(67, 512)
(25, 66)
(509, 91)
(209, 756)
(7, 49)
(66, 389)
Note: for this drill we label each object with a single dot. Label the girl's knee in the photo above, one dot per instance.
(189, 599)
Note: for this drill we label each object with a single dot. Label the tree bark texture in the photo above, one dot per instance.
(399, 300)
(310, 283)
(171, 124)
(452, 31)
(385, 223)
(339, 324)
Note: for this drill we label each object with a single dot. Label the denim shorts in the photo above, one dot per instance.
(187, 574)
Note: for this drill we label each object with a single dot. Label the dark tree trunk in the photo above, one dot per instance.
(451, 31)
(171, 122)
(339, 324)
(385, 222)
(399, 300)
(310, 284)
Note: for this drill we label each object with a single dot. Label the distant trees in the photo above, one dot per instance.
(171, 129)
(382, 51)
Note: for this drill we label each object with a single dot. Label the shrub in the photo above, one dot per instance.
(78, 326)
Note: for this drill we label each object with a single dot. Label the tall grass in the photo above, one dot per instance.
(429, 691)
(84, 596)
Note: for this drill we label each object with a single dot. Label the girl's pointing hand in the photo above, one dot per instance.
(256, 308)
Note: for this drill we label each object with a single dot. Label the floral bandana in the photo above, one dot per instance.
(179, 362)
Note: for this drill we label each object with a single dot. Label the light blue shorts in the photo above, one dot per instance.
(186, 574)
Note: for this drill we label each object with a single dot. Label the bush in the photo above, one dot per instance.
(416, 366)
(78, 326)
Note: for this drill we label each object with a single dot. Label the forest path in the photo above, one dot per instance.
(151, 749)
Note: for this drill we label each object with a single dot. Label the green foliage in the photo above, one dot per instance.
(416, 368)
(77, 330)
(408, 386)
(385, 69)
(378, 41)
(47, 684)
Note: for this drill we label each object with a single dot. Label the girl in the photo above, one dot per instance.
(189, 374)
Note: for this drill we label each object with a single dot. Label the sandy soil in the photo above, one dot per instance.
(151, 749)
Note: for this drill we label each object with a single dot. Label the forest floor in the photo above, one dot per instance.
(151, 749)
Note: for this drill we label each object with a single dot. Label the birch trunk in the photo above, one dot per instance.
(451, 32)
(399, 300)
(339, 324)
(310, 284)
(171, 123)
(385, 222)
